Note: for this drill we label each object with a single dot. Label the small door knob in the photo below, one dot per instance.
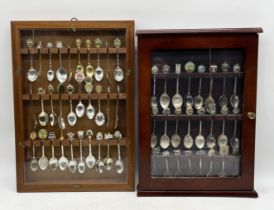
(251, 115)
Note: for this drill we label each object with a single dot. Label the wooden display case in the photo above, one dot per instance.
(212, 153)
(42, 45)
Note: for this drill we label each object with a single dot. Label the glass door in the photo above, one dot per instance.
(196, 112)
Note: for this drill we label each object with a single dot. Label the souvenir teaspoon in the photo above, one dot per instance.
(118, 71)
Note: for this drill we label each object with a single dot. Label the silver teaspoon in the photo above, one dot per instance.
(222, 138)
(154, 138)
(34, 162)
(80, 108)
(164, 139)
(154, 103)
(99, 164)
(43, 117)
(99, 73)
(119, 163)
(223, 100)
(53, 115)
(63, 161)
(61, 73)
(235, 141)
(175, 138)
(72, 164)
(72, 118)
(50, 73)
(234, 99)
(100, 117)
(32, 74)
(53, 162)
(200, 139)
(43, 160)
(118, 71)
(177, 99)
(210, 139)
(189, 99)
(90, 111)
(90, 160)
(108, 162)
(164, 101)
(210, 105)
(81, 164)
(199, 100)
(188, 140)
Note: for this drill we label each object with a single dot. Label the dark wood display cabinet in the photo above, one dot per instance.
(197, 105)
(73, 105)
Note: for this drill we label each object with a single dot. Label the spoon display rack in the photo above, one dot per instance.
(73, 105)
(197, 104)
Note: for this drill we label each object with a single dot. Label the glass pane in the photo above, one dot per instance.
(196, 112)
(79, 75)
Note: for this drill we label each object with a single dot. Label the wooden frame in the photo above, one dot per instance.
(149, 40)
(21, 97)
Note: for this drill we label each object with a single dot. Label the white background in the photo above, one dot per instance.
(147, 14)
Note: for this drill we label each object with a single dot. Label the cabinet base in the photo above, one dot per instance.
(214, 193)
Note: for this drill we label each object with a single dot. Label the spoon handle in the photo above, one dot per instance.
(154, 85)
(108, 116)
(188, 127)
(153, 131)
(43, 150)
(99, 151)
(50, 63)
(210, 86)
(165, 126)
(200, 127)
(235, 128)
(223, 128)
(70, 103)
(211, 127)
(119, 150)
(189, 85)
(98, 57)
(40, 62)
(224, 84)
(88, 54)
(200, 86)
(69, 64)
(71, 151)
(31, 59)
(52, 150)
(81, 150)
(89, 145)
(42, 103)
(60, 58)
(235, 86)
(51, 103)
(79, 56)
(117, 58)
(165, 86)
(62, 149)
(177, 84)
(117, 108)
(108, 147)
(33, 151)
(176, 127)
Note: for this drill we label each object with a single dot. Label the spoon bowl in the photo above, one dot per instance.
(119, 165)
(50, 75)
(61, 74)
(154, 140)
(72, 166)
(32, 74)
(99, 73)
(118, 74)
